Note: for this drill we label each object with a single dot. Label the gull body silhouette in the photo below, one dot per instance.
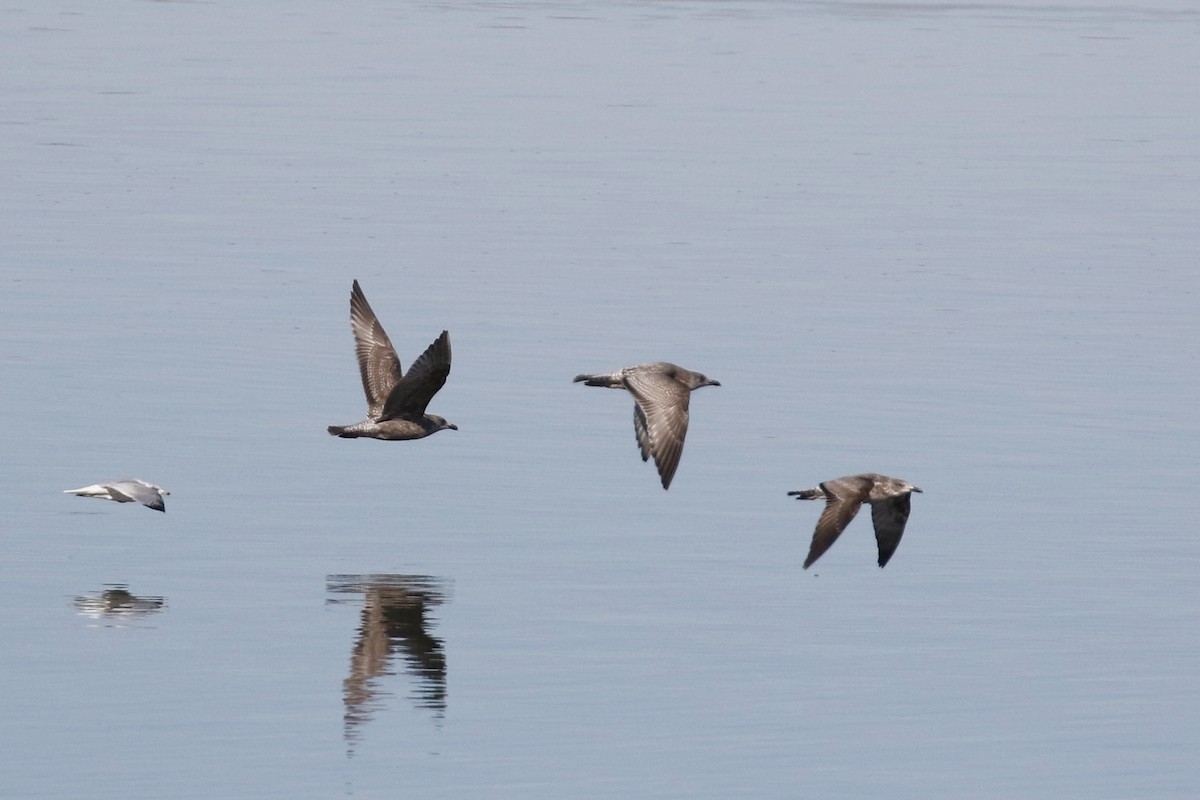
(890, 501)
(661, 392)
(396, 400)
(126, 490)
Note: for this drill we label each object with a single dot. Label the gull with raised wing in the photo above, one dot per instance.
(396, 400)
(126, 490)
(661, 392)
(890, 501)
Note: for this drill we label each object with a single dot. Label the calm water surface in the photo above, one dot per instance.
(950, 242)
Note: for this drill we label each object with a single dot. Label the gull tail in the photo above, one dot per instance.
(807, 494)
(611, 380)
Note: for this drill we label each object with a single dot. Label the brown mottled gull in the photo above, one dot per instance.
(126, 490)
(396, 400)
(661, 392)
(889, 499)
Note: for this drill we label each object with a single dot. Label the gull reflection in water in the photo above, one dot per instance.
(116, 606)
(394, 620)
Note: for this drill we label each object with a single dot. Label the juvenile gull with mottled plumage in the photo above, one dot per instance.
(890, 501)
(396, 400)
(126, 490)
(661, 392)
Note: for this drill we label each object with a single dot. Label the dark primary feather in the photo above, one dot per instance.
(890, 516)
(411, 394)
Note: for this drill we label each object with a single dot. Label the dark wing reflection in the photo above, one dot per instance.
(394, 620)
(116, 605)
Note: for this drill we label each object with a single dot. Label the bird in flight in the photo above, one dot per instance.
(661, 392)
(889, 499)
(126, 490)
(396, 400)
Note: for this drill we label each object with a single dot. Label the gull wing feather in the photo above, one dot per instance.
(890, 516)
(377, 359)
(133, 489)
(663, 402)
(843, 498)
(411, 394)
(640, 429)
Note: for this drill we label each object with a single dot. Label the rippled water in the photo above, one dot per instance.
(954, 243)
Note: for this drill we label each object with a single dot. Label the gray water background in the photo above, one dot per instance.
(955, 243)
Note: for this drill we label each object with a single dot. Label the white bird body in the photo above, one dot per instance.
(126, 490)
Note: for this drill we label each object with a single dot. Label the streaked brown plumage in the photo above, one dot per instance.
(396, 400)
(890, 502)
(661, 392)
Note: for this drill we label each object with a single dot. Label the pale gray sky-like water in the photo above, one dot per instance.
(955, 243)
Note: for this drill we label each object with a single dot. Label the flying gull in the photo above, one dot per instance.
(889, 499)
(660, 413)
(126, 490)
(396, 401)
